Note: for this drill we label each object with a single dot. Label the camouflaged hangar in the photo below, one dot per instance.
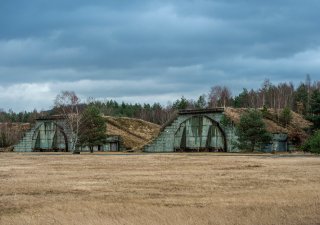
(205, 130)
(195, 131)
(50, 134)
(190, 130)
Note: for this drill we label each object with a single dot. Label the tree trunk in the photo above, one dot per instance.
(253, 143)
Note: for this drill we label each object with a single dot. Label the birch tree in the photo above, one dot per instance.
(67, 103)
(219, 96)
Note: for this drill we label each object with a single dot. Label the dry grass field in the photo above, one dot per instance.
(152, 189)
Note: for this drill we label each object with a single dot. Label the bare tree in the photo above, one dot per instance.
(316, 85)
(308, 84)
(219, 96)
(11, 133)
(264, 91)
(225, 96)
(285, 95)
(253, 99)
(67, 103)
(214, 96)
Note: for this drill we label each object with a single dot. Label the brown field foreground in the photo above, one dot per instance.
(151, 189)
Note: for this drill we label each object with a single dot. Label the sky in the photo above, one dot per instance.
(151, 50)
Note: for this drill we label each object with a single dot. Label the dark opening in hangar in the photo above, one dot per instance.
(200, 134)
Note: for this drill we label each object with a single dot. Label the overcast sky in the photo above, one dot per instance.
(146, 51)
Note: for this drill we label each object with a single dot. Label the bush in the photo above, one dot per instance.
(226, 121)
(251, 130)
(313, 143)
(285, 116)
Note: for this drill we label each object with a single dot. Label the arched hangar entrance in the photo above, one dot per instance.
(49, 136)
(200, 134)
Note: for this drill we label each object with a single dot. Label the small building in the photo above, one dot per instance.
(279, 143)
(113, 144)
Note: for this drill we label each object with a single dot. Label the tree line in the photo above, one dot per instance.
(301, 99)
(20, 117)
(283, 97)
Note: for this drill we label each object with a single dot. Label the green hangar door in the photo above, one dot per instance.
(49, 137)
(200, 134)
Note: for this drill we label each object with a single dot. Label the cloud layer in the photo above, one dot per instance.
(145, 51)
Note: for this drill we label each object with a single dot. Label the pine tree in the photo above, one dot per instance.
(285, 116)
(181, 104)
(93, 128)
(242, 100)
(313, 143)
(301, 99)
(251, 130)
(201, 102)
(314, 115)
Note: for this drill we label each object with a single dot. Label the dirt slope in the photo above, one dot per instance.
(295, 129)
(134, 132)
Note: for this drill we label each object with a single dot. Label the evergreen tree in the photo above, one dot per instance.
(251, 130)
(93, 128)
(285, 116)
(225, 121)
(181, 104)
(201, 102)
(242, 100)
(315, 103)
(313, 143)
(314, 115)
(301, 99)
(265, 112)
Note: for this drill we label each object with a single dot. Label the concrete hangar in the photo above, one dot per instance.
(204, 130)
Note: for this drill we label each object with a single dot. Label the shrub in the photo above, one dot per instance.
(285, 116)
(226, 121)
(251, 130)
(313, 143)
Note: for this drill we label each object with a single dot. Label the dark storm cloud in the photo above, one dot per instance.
(173, 48)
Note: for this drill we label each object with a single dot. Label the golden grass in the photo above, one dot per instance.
(296, 128)
(135, 133)
(158, 189)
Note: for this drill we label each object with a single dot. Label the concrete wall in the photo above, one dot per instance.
(279, 143)
(45, 134)
(48, 134)
(165, 142)
(53, 134)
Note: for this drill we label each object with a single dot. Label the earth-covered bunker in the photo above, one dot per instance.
(48, 134)
(51, 134)
(196, 130)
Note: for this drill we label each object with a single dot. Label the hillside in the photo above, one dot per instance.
(296, 129)
(134, 132)
(11, 133)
